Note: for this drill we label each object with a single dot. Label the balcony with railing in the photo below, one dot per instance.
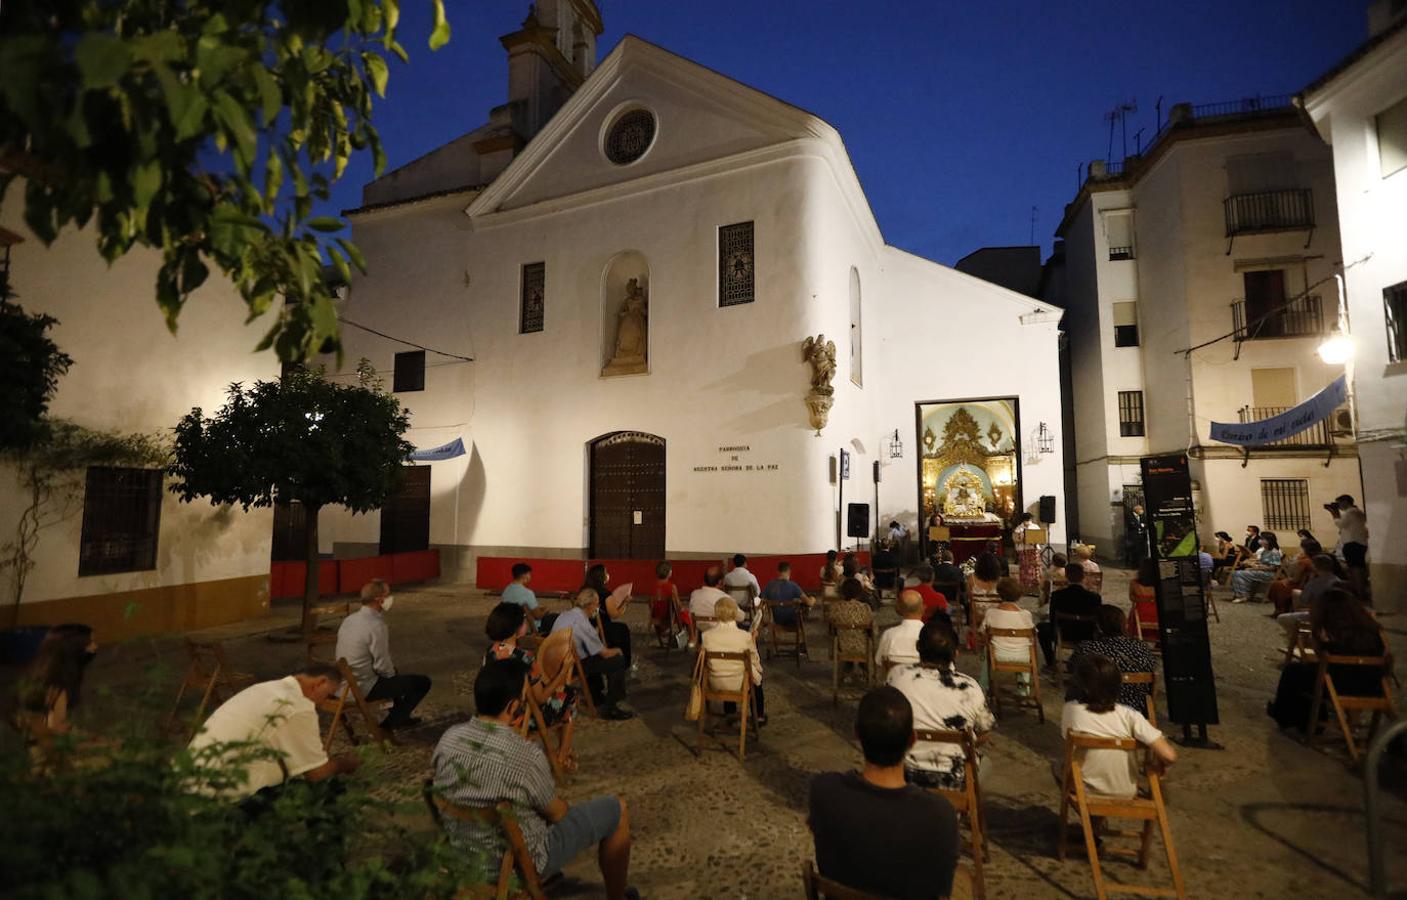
(1291, 209)
(1319, 436)
(1300, 317)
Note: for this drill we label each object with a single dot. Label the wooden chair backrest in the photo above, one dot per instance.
(963, 739)
(712, 656)
(1027, 633)
(1152, 697)
(741, 594)
(207, 660)
(1076, 740)
(818, 886)
(554, 650)
(502, 817)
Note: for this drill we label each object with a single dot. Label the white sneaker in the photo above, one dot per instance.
(1238, 599)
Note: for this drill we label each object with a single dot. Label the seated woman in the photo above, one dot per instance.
(982, 590)
(727, 674)
(1094, 576)
(1225, 558)
(1054, 577)
(1342, 626)
(1143, 606)
(1268, 558)
(507, 624)
(1283, 591)
(1007, 614)
(667, 613)
(1099, 713)
(850, 617)
(54, 683)
(617, 634)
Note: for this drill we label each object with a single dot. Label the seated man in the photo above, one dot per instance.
(785, 593)
(886, 565)
(485, 761)
(277, 721)
(934, 601)
(701, 601)
(899, 645)
(1128, 653)
(873, 832)
(1073, 599)
(517, 592)
(1323, 578)
(365, 643)
(740, 579)
(943, 699)
(597, 660)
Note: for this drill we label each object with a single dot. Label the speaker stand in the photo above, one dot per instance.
(1198, 742)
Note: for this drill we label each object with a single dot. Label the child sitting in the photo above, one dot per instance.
(1098, 713)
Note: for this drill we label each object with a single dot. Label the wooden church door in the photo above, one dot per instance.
(627, 496)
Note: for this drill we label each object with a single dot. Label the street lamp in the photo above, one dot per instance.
(1337, 349)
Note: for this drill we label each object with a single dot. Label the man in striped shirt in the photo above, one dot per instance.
(485, 761)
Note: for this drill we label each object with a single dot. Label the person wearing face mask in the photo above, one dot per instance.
(53, 686)
(365, 643)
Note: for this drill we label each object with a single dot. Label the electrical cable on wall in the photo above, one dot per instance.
(389, 337)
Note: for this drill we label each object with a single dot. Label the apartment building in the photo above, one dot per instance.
(1198, 281)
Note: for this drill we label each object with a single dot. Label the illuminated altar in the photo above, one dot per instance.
(969, 471)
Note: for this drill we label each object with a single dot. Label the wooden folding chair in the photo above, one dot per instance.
(1148, 809)
(553, 660)
(209, 673)
(1348, 706)
(673, 621)
(865, 659)
(516, 857)
(818, 887)
(1211, 597)
(1145, 631)
(577, 675)
(743, 697)
(695, 621)
(1031, 667)
(743, 596)
(1301, 644)
(1151, 698)
(318, 635)
(336, 706)
(967, 803)
(896, 584)
(796, 646)
(1089, 619)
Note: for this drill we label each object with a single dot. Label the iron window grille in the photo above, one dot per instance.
(1130, 413)
(1395, 313)
(1125, 335)
(532, 298)
(410, 372)
(1120, 253)
(1284, 503)
(737, 277)
(630, 136)
(121, 520)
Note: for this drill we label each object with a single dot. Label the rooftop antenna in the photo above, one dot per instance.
(1111, 117)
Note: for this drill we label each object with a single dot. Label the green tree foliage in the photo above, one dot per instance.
(30, 367)
(134, 818)
(202, 129)
(302, 438)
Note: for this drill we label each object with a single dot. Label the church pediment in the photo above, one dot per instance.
(644, 112)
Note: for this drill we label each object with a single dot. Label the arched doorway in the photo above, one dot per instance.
(627, 496)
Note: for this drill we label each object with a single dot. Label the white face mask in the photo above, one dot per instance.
(387, 602)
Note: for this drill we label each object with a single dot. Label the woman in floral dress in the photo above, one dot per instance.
(507, 624)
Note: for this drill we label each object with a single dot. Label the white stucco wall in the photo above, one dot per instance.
(1373, 216)
(132, 375)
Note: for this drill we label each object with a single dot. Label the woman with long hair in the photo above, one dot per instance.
(982, 594)
(1143, 606)
(1283, 591)
(1268, 558)
(1342, 626)
(507, 625)
(54, 683)
(616, 634)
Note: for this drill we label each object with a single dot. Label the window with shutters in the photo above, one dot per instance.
(1395, 312)
(532, 298)
(1392, 139)
(1118, 228)
(1126, 323)
(121, 518)
(736, 274)
(410, 372)
(1130, 413)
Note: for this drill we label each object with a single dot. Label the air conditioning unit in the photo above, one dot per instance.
(1341, 421)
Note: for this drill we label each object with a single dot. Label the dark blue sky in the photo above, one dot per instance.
(959, 117)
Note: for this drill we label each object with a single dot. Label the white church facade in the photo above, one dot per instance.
(635, 284)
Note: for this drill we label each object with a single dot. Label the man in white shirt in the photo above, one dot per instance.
(702, 601)
(365, 643)
(740, 580)
(278, 723)
(1353, 541)
(899, 645)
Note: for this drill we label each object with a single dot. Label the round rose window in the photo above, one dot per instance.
(630, 137)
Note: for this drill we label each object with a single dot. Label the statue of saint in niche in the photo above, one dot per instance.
(632, 334)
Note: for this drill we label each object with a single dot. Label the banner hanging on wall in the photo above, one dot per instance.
(438, 454)
(1288, 423)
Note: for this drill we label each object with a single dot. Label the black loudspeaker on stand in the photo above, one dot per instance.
(857, 520)
(1048, 509)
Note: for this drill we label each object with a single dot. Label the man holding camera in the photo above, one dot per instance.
(1353, 541)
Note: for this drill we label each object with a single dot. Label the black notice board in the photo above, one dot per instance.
(1182, 604)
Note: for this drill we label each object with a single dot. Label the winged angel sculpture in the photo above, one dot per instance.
(820, 353)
